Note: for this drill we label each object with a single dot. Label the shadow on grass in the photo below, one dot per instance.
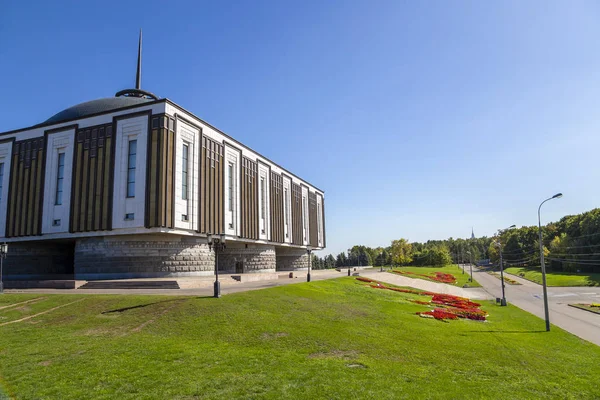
(120, 310)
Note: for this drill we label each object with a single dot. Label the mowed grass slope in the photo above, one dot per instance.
(556, 278)
(461, 279)
(336, 339)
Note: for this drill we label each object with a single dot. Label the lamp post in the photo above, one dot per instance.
(470, 265)
(308, 250)
(546, 311)
(3, 254)
(503, 301)
(216, 243)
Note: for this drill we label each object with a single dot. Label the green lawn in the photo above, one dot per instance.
(461, 279)
(336, 339)
(555, 278)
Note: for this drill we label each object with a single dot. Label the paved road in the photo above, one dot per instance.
(528, 296)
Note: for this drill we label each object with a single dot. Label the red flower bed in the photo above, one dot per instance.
(438, 313)
(444, 278)
(362, 279)
(448, 306)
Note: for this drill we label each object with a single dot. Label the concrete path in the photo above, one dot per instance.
(528, 296)
(400, 280)
(202, 287)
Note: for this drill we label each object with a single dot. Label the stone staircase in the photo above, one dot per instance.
(132, 284)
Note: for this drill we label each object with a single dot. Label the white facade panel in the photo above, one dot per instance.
(264, 212)
(320, 219)
(190, 137)
(5, 159)
(56, 212)
(232, 191)
(305, 224)
(287, 209)
(127, 130)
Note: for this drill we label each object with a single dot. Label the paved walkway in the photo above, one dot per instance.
(400, 280)
(202, 287)
(528, 296)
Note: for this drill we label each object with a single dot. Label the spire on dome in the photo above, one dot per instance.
(137, 92)
(138, 77)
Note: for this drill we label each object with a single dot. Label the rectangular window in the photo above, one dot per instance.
(1, 179)
(304, 210)
(129, 217)
(319, 216)
(131, 168)
(184, 172)
(286, 210)
(263, 195)
(230, 183)
(60, 175)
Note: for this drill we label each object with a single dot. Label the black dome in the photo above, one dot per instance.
(96, 106)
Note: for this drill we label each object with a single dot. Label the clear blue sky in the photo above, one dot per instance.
(418, 119)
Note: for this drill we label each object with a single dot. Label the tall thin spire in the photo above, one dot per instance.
(472, 233)
(137, 92)
(138, 77)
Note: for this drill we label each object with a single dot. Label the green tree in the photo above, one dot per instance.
(401, 252)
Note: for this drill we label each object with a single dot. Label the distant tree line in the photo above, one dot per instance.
(571, 244)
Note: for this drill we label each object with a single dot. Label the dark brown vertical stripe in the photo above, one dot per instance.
(76, 184)
(160, 166)
(12, 195)
(276, 208)
(109, 156)
(249, 199)
(24, 213)
(297, 236)
(91, 179)
(98, 191)
(312, 219)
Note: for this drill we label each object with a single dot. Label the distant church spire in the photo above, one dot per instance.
(137, 92)
(138, 77)
(472, 233)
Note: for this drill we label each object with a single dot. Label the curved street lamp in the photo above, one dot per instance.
(470, 265)
(546, 311)
(308, 251)
(503, 301)
(216, 243)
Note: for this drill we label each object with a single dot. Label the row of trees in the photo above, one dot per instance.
(571, 244)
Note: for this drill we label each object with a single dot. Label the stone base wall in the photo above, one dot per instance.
(255, 258)
(291, 259)
(38, 260)
(142, 256)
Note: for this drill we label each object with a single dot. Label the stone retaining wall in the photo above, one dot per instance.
(254, 258)
(38, 260)
(142, 256)
(291, 259)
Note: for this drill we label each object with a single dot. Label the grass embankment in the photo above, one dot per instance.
(326, 339)
(595, 308)
(507, 280)
(534, 274)
(461, 279)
